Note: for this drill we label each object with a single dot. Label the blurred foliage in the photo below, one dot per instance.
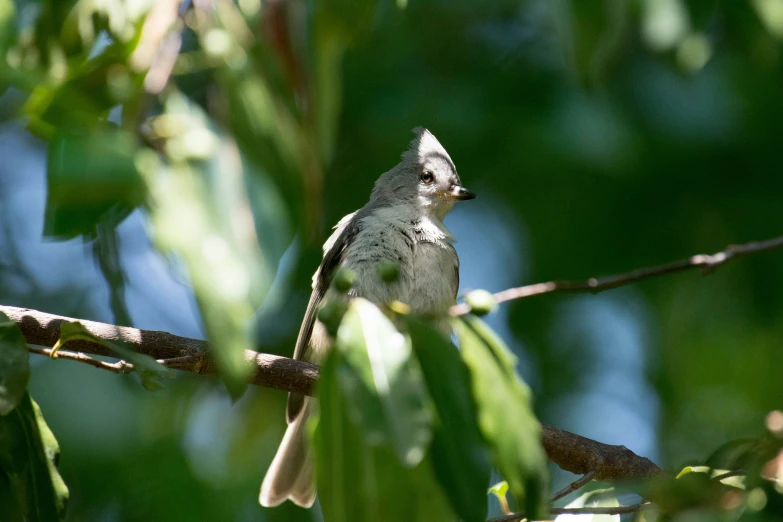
(607, 135)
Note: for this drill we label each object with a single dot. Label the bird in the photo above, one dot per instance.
(402, 223)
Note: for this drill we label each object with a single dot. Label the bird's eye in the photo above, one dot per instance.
(427, 177)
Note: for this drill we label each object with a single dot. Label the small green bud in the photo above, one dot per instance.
(480, 302)
(343, 280)
(389, 271)
(331, 314)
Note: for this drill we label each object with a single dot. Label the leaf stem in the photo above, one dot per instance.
(118, 367)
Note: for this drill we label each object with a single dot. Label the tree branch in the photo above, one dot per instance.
(584, 479)
(581, 455)
(569, 451)
(707, 264)
(179, 353)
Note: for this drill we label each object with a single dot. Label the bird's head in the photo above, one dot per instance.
(426, 176)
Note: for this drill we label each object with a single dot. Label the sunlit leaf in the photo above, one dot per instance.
(665, 23)
(596, 498)
(505, 413)
(693, 488)
(148, 368)
(359, 481)
(201, 212)
(28, 465)
(500, 489)
(388, 396)
(735, 481)
(693, 469)
(7, 27)
(459, 453)
(338, 442)
(14, 365)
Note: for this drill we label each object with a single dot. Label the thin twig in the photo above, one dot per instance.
(707, 264)
(118, 367)
(619, 510)
(584, 479)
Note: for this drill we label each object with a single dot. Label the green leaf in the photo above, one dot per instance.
(7, 24)
(692, 488)
(200, 211)
(459, 452)
(338, 443)
(734, 454)
(693, 469)
(388, 395)
(359, 481)
(595, 498)
(14, 365)
(150, 370)
(28, 466)
(500, 489)
(735, 481)
(90, 176)
(506, 417)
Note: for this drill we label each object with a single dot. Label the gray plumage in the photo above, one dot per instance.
(402, 223)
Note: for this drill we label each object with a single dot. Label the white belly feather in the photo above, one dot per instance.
(420, 246)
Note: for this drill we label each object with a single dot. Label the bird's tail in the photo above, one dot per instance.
(291, 472)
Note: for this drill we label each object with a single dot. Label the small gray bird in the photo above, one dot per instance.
(402, 223)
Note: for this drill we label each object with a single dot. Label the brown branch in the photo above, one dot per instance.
(118, 367)
(571, 452)
(180, 353)
(618, 510)
(587, 477)
(581, 455)
(594, 285)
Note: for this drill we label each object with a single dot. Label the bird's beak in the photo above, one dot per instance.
(461, 193)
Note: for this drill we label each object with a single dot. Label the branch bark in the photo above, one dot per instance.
(582, 456)
(584, 479)
(707, 264)
(179, 353)
(569, 451)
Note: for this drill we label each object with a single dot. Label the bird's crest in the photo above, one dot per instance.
(423, 145)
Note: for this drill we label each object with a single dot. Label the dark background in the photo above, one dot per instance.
(599, 136)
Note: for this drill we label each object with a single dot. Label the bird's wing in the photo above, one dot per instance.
(334, 249)
(455, 281)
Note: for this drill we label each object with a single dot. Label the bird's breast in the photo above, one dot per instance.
(433, 285)
(427, 263)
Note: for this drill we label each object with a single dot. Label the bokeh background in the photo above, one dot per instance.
(600, 137)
